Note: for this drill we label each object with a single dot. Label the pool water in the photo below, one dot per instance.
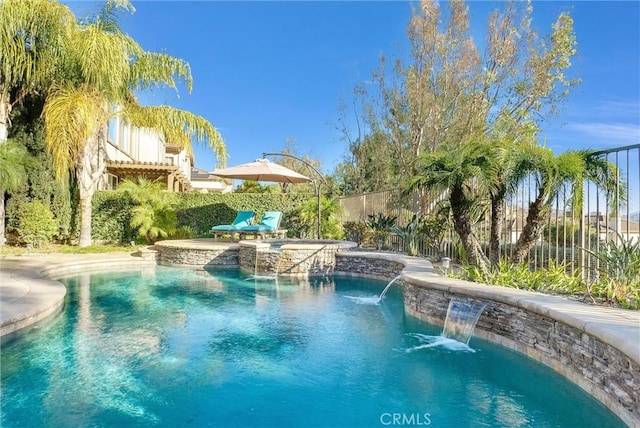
(178, 347)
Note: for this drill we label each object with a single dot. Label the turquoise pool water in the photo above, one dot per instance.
(176, 347)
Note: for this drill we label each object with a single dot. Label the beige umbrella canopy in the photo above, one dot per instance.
(262, 170)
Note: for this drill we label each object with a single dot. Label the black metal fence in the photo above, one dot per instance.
(570, 236)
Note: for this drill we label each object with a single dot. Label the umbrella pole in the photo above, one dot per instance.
(316, 184)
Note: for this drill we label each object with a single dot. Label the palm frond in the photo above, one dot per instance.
(103, 59)
(178, 127)
(71, 116)
(32, 36)
(156, 69)
(14, 163)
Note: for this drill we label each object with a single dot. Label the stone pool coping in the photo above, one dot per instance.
(29, 291)
(595, 347)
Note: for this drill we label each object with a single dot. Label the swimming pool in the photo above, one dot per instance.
(182, 347)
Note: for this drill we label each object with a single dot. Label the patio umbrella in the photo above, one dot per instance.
(262, 170)
(265, 170)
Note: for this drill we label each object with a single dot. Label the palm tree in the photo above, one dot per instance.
(105, 67)
(331, 213)
(513, 159)
(32, 35)
(467, 173)
(154, 215)
(552, 173)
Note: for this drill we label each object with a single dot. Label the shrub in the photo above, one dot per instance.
(358, 232)
(111, 217)
(432, 231)
(36, 225)
(330, 212)
(112, 211)
(554, 278)
(183, 232)
(154, 215)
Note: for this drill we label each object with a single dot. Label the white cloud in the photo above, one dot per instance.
(607, 134)
(619, 109)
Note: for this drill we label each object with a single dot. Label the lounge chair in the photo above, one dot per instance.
(243, 219)
(269, 225)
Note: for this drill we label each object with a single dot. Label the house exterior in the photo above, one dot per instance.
(614, 228)
(139, 152)
(205, 182)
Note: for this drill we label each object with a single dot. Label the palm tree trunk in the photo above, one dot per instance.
(463, 226)
(2, 238)
(536, 220)
(5, 110)
(88, 173)
(497, 220)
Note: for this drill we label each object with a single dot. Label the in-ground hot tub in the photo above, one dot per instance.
(293, 257)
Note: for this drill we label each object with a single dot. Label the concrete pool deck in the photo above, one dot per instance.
(29, 293)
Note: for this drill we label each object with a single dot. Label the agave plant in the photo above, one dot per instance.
(381, 224)
(410, 235)
(619, 269)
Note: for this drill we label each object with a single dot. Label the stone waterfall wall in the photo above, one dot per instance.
(291, 258)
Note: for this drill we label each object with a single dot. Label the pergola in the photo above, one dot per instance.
(171, 174)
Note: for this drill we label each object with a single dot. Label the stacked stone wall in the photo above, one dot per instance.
(176, 256)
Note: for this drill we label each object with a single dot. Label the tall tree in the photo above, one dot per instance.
(448, 90)
(467, 173)
(33, 33)
(104, 68)
(27, 128)
(450, 95)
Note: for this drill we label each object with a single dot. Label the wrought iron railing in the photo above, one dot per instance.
(570, 236)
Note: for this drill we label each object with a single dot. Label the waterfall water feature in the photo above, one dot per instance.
(387, 287)
(256, 275)
(375, 299)
(462, 316)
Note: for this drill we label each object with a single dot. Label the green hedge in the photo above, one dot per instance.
(200, 211)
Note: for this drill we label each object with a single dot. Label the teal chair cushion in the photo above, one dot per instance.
(269, 223)
(243, 219)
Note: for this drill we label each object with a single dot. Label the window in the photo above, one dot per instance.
(113, 130)
(113, 182)
(125, 136)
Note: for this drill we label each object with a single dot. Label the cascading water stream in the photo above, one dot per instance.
(256, 275)
(387, 288)
(375, 299)
(462, 316)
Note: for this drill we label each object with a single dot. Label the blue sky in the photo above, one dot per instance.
(267, 71)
